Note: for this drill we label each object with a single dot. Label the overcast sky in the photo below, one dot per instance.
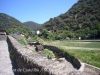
(38, 11)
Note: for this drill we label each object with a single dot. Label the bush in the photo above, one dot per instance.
(49, 54)
(23, 41)
(39, 40)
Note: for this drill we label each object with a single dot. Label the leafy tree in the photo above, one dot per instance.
(44, 33)
(94, 33)
(81, 20)
(51, 36)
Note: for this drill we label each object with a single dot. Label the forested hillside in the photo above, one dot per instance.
(83, 19)
(31, 25)
(11, 24)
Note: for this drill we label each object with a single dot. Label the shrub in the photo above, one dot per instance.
(23, 41)
(39, 40)
(49, 54)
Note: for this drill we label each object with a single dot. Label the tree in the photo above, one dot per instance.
(51, 36)
(44, 33)
(94, 32)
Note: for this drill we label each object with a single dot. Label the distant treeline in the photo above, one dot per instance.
(82, 20)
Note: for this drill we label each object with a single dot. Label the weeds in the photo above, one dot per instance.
(22, 41)
(49, 54)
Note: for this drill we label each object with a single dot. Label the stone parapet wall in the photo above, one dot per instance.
(91, 69)
(30, 63)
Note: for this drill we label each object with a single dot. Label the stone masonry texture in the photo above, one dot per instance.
(30, 63)
(5, 62)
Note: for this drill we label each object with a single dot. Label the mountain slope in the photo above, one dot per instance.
(83, 19)
(31, 25)
(11, 24)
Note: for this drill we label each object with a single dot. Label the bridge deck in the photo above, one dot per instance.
(5, 62)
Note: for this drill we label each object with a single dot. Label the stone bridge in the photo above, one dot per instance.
(16, 59)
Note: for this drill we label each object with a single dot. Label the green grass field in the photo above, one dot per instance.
(77, 44)
(86, 45)
(91, 57)
(88, 56)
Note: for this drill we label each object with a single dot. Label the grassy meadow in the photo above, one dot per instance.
(90, 55)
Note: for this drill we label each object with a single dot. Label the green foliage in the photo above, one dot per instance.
(44, 33)
(32, 39)
(75, 44)
(51, 36)
(39, 40)
(88, 56)
(85, 45)
(83, 20)
(49, 54)
(23, 41)
(31, 25)
(35, 39)
(91, 57)
(47, 34)
(12, 25)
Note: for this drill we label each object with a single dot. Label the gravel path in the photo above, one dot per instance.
(5, 62)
